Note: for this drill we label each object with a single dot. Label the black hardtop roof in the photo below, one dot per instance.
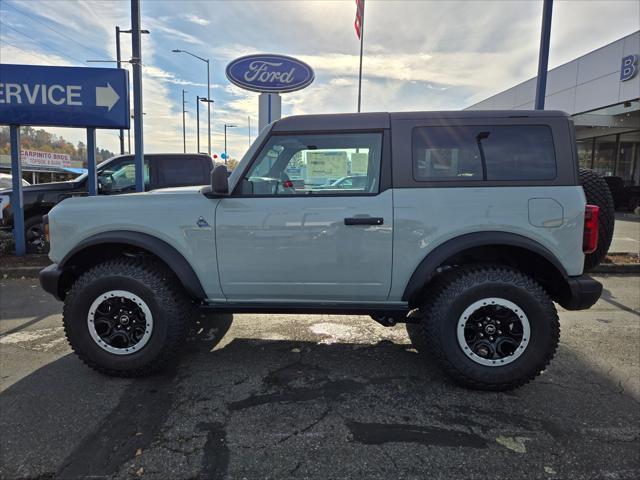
(160, 155)
(381, 120)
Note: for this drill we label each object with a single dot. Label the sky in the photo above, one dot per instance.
(419, 55)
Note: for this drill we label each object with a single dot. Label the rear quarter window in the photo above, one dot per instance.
(483, 152)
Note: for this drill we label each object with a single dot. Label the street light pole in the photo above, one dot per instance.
(184, 128)
(206, 60)
(226, 155)
(198, 122)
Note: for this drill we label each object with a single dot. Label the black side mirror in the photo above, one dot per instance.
(219, 182)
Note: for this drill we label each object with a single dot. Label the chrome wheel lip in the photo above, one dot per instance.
(496, 301)
(138, 301)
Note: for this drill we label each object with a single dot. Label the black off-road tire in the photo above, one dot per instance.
(157, 286)
(598, 193)
(414, 332)
(34, 235)
(459, 289)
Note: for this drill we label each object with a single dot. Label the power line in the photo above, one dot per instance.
(45, 46)
(13, 7)
(4, 42)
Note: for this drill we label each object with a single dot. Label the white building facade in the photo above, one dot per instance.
(601, 91)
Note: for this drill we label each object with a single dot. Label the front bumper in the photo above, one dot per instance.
(582, 293)
(51, 281)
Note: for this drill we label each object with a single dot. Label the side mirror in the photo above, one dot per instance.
(219, 182)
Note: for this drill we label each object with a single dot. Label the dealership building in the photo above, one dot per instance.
(601, 91)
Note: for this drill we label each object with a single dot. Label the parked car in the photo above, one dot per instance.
(115, 176)
(475, 222)
(349, 182)
(625, 197)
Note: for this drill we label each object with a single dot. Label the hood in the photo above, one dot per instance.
(43, 187)
(189, 189)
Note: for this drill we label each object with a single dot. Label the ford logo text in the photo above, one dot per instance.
(269, 73)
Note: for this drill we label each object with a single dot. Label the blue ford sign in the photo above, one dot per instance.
(64, 96)
(269, 73)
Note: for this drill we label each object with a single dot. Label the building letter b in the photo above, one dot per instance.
(629, 67)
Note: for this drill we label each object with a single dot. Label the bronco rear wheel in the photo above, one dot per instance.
(126, 317)
(490, 327)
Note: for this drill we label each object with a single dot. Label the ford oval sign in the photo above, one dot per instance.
(269, 73)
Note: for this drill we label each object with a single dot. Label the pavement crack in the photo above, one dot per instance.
(322, 416)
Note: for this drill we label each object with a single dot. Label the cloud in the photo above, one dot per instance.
(195, 19)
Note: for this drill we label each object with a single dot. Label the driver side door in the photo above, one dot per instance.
(282, 238)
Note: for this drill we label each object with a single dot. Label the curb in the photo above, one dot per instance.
(626, 268)
(21, 272)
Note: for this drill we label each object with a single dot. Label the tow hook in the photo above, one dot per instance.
(385, 321)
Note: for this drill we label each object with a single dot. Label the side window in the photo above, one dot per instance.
(120, 177)
(323, 164)
(494, 152)
(177, 171)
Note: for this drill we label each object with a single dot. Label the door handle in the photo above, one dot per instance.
(364, 221)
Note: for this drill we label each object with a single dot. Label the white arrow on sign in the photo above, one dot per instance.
(106, 97)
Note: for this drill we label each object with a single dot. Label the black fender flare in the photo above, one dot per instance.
(426, 269)
(165, 252)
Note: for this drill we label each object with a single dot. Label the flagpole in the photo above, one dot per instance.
(361, 46)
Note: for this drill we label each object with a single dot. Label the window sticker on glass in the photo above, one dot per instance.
(316, 165)
(359, 163)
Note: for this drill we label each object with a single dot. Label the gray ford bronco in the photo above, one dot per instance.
(468, 227)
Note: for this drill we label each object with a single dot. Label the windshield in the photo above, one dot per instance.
(100, 167)
(235, 175)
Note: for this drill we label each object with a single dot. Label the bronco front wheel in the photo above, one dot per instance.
(126, 317)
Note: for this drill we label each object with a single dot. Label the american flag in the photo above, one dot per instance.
(359, 16)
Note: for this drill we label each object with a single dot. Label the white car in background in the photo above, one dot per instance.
(6, 182)
(6, 179)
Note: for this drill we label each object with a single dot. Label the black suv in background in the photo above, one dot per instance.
(115, 176)
(625, 197)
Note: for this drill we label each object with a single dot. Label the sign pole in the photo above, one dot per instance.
(92, 180)
(137, 93)
(16, 197)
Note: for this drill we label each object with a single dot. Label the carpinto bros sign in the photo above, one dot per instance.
(269, 73)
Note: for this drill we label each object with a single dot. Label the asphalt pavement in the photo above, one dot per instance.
(301, 396)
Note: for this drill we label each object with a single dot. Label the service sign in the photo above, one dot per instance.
(269, 73)
(64, 96)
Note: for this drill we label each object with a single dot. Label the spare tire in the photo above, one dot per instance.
(597, 192)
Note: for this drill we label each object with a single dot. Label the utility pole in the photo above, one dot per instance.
(184, 128)
(198, 122)
(249, 123)
(136, 61)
